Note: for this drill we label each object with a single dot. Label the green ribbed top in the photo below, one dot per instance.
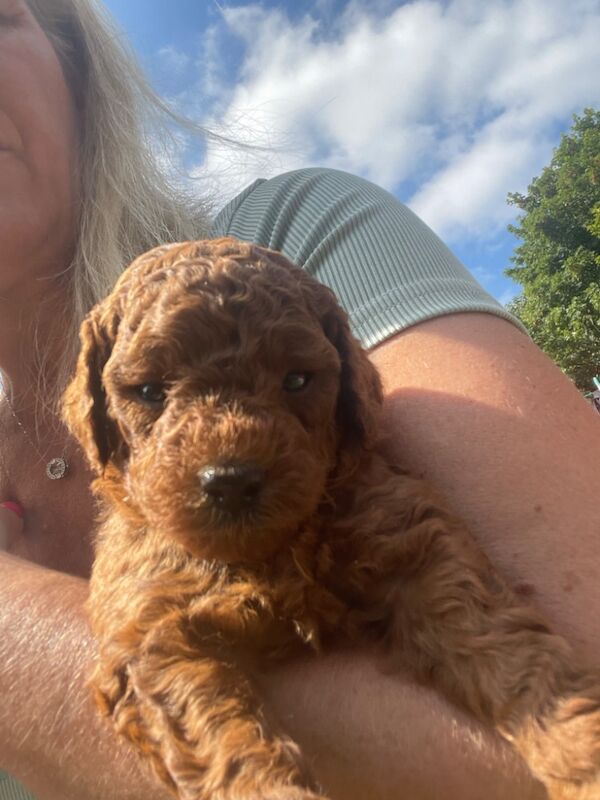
(388, 269)
(11, 790)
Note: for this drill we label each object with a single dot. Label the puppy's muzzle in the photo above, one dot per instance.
(232, 488)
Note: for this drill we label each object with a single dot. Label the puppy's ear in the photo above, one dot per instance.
(84, 402)
(361, 395)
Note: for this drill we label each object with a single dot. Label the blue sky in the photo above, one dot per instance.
(448, 104)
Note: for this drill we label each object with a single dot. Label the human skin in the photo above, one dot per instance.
(38, 201)
(11, 527)
(477, 409)
(369, 735)
(38, 182)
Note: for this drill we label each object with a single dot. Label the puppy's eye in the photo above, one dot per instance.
(151, 394)
(296, 381)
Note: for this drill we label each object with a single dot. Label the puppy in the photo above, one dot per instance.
(233, 424)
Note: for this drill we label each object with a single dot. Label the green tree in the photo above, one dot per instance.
(558, 262)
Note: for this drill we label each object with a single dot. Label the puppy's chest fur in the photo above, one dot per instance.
(309, 594)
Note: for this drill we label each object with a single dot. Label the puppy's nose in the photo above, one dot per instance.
(233, 487)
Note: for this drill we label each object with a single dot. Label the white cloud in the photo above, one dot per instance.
(459, 100)
(468, 193)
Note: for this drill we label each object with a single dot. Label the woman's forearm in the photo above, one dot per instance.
(372, 736)
(367, 735)
(50, 735)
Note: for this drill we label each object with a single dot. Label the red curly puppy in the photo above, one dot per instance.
(233, 423)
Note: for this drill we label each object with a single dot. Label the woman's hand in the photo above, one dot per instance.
(11, 523)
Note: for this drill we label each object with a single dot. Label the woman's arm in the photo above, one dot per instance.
(51, 738)
(371, 736)
(476, 408)
(368, 735)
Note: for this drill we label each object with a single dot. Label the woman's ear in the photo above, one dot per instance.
(84, 404)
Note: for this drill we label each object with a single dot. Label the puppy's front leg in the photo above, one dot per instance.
(196, 715)
(451, 621)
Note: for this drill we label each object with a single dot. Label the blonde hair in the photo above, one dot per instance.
(128, 203)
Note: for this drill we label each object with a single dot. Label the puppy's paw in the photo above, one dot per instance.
(558, 790)
(563, 749)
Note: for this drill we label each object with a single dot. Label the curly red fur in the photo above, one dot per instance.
(188, 595)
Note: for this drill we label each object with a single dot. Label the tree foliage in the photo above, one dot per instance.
(558, 262)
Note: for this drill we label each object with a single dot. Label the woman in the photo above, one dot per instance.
(473, 403)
